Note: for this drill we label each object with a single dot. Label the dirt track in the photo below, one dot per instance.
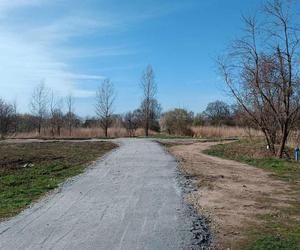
(131, 199)
(231, 194)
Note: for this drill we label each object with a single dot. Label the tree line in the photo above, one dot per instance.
(51, 112)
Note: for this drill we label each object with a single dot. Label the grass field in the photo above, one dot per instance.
(281, 228)
(29, 170)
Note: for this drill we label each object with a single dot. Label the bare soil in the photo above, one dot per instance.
(230, 194)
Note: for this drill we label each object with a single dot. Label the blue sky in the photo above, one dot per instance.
(73, 45)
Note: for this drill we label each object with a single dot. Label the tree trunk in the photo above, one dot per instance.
(147, 128)
(106, 131)
(282, 143)
(52, 130)
(58, 130)
(39, 127)
(70, 128)
(270, 144)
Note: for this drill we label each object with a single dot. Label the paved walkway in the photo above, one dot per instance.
(129, 200)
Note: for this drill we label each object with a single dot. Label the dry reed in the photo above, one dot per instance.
(114, 132)
(224, 132)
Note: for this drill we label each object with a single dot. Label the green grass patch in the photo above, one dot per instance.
(281, 229)
(255, 154)
(274, 243)
(29, 170)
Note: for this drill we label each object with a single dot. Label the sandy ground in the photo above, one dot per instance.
(229, 193)
(131, 199)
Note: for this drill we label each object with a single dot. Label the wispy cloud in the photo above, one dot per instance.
(6, 5)
(42, 49)
(71, 53)
(29, 56)
(62, 29)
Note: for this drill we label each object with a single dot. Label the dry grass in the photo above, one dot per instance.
(114, 132)
(239, 132)
(224, 132)
(77, 133)
(294, 139)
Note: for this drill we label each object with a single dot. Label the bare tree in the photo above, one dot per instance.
(6, 117)
(149, 89)
(263, 76)
(39, 104)
(105, 97)
(56, 118)
(70, 112)
(15, 117)
(131, 122)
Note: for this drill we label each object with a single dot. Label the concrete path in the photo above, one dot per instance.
(128, 200)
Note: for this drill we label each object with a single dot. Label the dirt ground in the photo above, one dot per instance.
(229, 194)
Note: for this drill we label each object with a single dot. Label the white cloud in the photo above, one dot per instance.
(24, 65)
(71, 53)
(11, 4)
(30, 56)
(63, 29)
(41, 50)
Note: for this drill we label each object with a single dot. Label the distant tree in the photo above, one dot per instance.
(218, 113)
(117, 120)
(70, 116)
(39, 104)
(91, 122)
(105, 97)
(57, 119)
(199, 120)
(56, 113)
(15, 118)
(26, 123)
(6, 117)
(131, 121)
(154, 112)
(149, 103)
(177, 122)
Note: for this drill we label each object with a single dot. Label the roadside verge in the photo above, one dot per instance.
(236, 198)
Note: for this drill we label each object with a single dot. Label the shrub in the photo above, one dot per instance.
(177, 122)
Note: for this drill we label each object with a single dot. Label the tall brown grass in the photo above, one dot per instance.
(294, 139)
(76, 133)
(114, 132)
(239, 132)
(117, 132)
(224, 132)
